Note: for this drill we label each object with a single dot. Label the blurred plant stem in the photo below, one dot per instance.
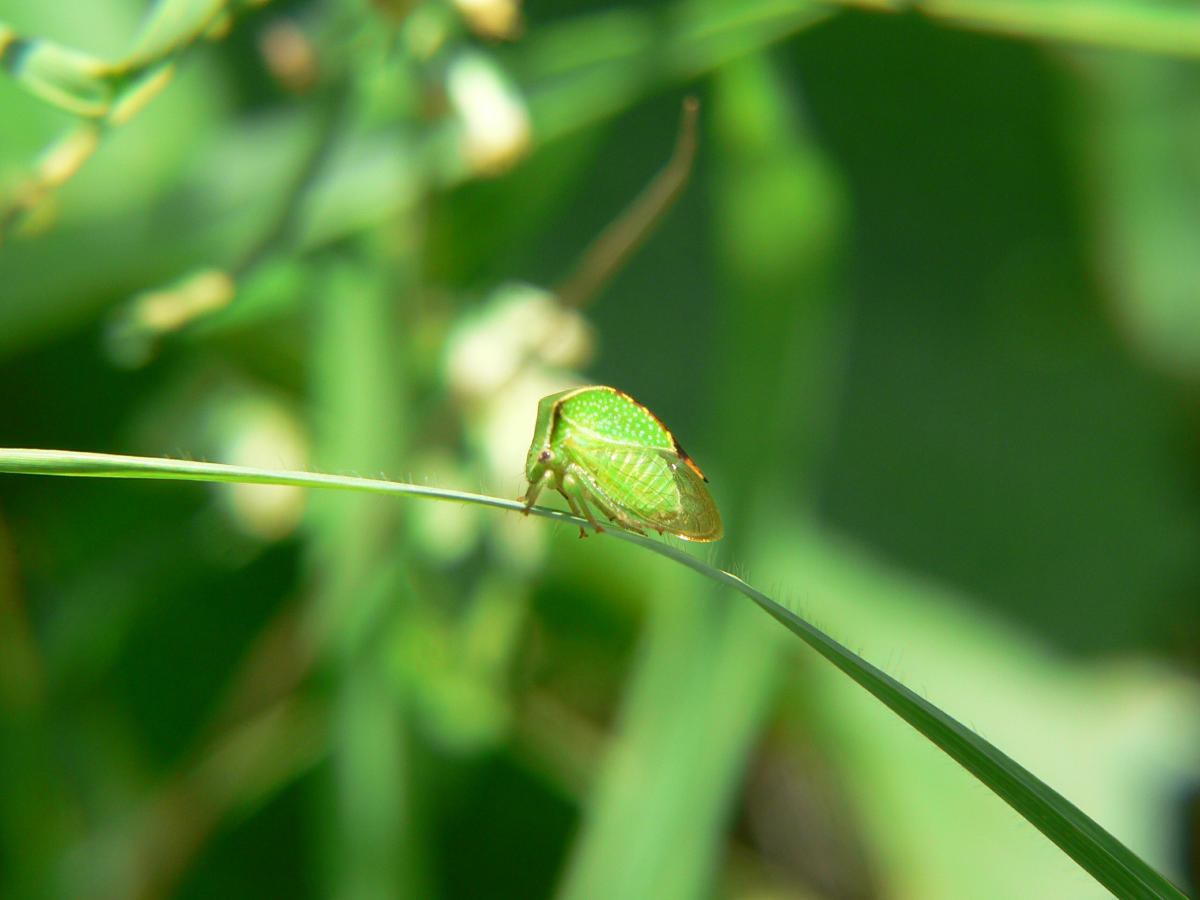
(359, 383)
(28, 779)
(1138, 151)
(281, 233)
(612, 249)
(261, 738)
(232, 774)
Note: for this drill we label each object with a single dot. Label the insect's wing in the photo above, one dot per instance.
(698, 518)
(652, 487)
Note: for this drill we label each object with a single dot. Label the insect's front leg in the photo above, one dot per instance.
(535, 488)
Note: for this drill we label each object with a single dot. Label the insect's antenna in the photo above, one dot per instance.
(610, 250)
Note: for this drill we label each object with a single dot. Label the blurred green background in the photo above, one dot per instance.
(927, 314)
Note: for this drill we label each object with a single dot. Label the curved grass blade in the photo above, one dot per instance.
(1109, 861)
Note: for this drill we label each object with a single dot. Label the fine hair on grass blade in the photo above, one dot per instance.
(1109, 861)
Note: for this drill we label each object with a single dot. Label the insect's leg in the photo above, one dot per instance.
(580, 509)
(574, 491)
(535, 488)
(598, 499)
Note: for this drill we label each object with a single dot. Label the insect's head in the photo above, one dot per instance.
(538, 461)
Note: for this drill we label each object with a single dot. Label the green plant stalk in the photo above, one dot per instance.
(356, 555)
(1109, 861)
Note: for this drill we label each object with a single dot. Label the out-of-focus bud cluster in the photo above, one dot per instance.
(498, 20)
(445, 532)
(171, 309)
(518, 328)
(518, 347)
(495, 130)
(222, 415)
(259, 433)
(398, 10)
(133, 333)
(289, 56)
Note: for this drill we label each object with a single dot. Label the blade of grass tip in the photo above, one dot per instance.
(1100, 854)
(1109, 861)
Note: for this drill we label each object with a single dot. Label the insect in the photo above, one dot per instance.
(596, 445)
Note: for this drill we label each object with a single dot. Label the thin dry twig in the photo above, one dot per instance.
(609, 252)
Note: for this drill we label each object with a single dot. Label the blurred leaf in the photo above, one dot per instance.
(1141, 146)
(361, 588)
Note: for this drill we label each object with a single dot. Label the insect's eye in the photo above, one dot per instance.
(544, 456)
